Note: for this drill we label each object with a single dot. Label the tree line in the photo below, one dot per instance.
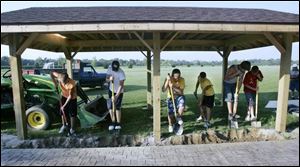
(39, 62)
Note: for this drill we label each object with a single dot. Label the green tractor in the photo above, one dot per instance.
(42, 102)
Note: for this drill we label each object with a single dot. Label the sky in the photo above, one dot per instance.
(259, 53)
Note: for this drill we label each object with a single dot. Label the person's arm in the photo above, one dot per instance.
(250, 87)
(241, 79)
(54, 75)
(196, 89)
(178, 89)
(260, 76)
(68, 100)
(231, 73)
(121, 86)
(167, 83)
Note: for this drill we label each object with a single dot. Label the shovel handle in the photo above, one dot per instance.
(172, 97)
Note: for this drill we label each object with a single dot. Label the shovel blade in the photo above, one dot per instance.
(256, 124)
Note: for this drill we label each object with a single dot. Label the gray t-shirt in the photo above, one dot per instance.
(240, 74)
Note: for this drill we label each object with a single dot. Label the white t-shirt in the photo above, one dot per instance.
(118, 76)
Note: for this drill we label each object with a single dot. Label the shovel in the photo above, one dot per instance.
(233, 123)
(255, 123)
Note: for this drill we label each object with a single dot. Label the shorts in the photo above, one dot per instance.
(250, 98)
(118, 103)
(179, 102)
(294, 84)
(208, 101)
(229, 91)
(71, 108)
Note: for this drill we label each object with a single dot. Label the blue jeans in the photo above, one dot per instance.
(229, 91)
(250, 98)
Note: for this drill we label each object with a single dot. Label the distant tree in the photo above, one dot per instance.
(61, 61)
(5, 61)
(39, 62)
(130, 66)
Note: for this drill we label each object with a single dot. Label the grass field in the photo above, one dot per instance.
(136, 120)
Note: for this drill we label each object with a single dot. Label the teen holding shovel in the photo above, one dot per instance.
(68, 101)
(175, 85)
(232, 83)
(206, 100)
(116, 77)
(251, 89)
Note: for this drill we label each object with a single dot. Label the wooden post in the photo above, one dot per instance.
(283, 87)
(156, 86)
(69, 60)
(17, 87)
(225, 56)
(69, 67)
(149, 85)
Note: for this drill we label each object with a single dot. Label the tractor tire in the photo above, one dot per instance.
(37, 118)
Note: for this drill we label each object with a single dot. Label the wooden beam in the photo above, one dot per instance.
(169, 41)
(69, 60)
(218, 50)
(143, 41)
(104, 36)
(17, 87)
(129, 35)
(135, 43)
(191, 27)
(75, 53)
(27, 43)
(283, 86)
(117, 35)
(92, 36)
(275, 42)
(156, 87)
(52, 40)
(243, 39)
(149, 85)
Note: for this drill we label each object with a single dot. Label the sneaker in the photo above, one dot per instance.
(62, 129)
(118, 126)
(180, 122)
(170, 128)
(236, 116)
(247, 118)
(199, 119)
(111, 127)
(72, 131)
(253, 119)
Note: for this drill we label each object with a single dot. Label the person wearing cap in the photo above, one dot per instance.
(116, 75)
(294, 83)
(230, 79)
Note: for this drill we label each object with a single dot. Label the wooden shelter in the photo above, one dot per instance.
(153, 29)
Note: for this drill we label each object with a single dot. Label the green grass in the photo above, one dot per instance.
(138, 121)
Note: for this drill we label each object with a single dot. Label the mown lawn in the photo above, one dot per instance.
(137, 120)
